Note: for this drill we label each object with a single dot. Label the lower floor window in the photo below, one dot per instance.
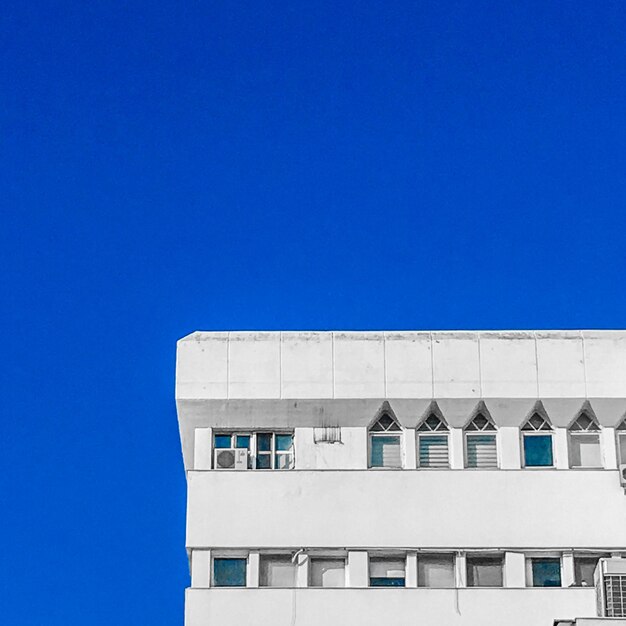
(484, 571)
(435, 570)
(277, 571)
(327, 572)
(387, 572)
(544, 572)
(584, 569)
(229, 572)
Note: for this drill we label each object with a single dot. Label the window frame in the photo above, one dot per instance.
(499, 557)
(253, 451)
(386, 557)
(282, 555)
(549, 432)
(425, 431)
(469, 433)
(235, 555)
(398, 433)
(572, 435)
(552, 556)
(327, 557)
(441, 555)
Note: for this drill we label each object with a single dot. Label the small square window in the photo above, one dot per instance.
(585, 450)
(545, 572)
(584, 568)
(484, 571)
(327, 572)
(387, 572)
(435, 570)
(277, 571)
(229, 572)
(385, 451)
(538, 451)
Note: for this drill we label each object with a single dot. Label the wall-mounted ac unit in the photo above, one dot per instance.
(230, 458)
(610, 579)
(622, 475)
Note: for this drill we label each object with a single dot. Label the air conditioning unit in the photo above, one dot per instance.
(610, 580)
(622, 475)
(230, 458)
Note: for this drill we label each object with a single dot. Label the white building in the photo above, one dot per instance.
(396, 478)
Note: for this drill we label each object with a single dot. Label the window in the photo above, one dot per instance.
(584, 443)
(266, 450)
(584, 567)
(537, 442)
(387, 572)
(385, 442)
(432, 443)
(277, 571)
(435, 570)
(621, 443)
(484, 571)
(480, 443)
(229, 572)
(544, 572)
(327, 572)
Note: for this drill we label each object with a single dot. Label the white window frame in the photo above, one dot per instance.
(228, 554)
(529, 556)
(537, 433)
(253, 452)
(327, 556)
(399, 433)
(481, 433)
(571, 436)
(425, 434)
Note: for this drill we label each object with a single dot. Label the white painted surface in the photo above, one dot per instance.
(402, 365)
(254, 365)
(390, 607)
(404, 508)
(307, 365)
(359, 365)
(351, 453)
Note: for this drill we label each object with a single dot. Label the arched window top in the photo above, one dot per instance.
(432, 424)
(536, 424)
(584, 424)
(480, 424)
(385, 424)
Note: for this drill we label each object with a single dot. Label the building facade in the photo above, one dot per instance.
(395, 478)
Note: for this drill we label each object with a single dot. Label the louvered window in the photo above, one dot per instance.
(385, 443)
(584, 443)
(432, 443)
(537, 442)
(481, 449)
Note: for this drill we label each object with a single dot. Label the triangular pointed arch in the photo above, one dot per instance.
(584, 422)
(621, 427)
(385, 420)
(480, 420)
(433, 421)
(537, 420)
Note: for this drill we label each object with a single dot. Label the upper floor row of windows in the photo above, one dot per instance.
(275, 450)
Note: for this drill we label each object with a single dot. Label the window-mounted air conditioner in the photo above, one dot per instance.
(610, 580)
(622, 475)
(230, 458)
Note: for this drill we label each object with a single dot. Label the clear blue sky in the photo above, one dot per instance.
(168, 166)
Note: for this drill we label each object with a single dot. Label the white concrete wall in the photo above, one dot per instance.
(404, 509)
(402, 365)
(388, 607)
(351, 453)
